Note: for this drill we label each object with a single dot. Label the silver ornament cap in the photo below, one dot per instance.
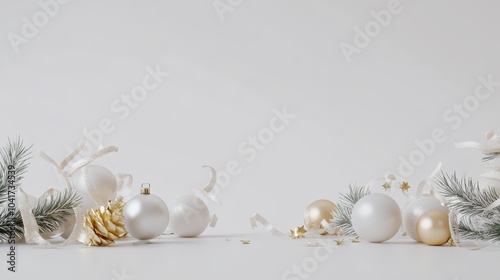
(146, 215)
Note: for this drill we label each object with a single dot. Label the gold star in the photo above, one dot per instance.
(299, 232)
(339, 242)
(245, 242)
(405, 186)
(451, 242)
(355, 240)
(386, 186)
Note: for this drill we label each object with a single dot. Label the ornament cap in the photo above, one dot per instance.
(146, 188)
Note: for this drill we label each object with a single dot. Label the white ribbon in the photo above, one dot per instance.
(213, 220)
(31, 232)
(258, 218)
(207, 190)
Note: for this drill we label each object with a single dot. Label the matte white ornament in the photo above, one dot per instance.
(146, 215)
(98, 182)
(415, 209)
(376, 217)
(190, 216)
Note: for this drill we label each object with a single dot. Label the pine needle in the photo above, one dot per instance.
(491, 156)
(17, 155)
(341, 221)
(50, 214)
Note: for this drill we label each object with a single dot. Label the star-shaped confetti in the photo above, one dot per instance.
(299, 232)
(355, 240)
(339, 242)
(386, 186)
(245, 242)
(405, 186)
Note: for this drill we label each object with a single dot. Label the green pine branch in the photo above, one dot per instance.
(50, 214)
(491, 156)
(463, 195)
(468, 200)
(17, 155)
(341, 221)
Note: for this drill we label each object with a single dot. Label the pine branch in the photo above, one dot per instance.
(50, 214)
(463, 195)
(491, 156)
(17, 155)
(341, 221)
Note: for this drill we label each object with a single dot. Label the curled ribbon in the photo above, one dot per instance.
(207, 190)
(258, 218)
(31, 233)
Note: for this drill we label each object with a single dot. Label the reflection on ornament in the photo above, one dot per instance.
(318, 211)
(190, 216)
(376, 217)
(415, 209)
(146, 215)
(433, 228)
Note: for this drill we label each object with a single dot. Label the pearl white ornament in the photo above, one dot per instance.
(376, 217)
(190, 216)
(415, 209)
(146, 215)
(102, 183)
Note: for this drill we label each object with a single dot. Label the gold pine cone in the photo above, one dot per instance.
(102, 226)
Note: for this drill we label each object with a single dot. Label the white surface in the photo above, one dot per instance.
(229, 80)
(267, 257)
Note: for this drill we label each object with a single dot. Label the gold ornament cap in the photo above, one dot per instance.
(146, 188)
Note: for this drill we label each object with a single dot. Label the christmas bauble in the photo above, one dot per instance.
(190, 216)
(415, 209)
(101, 181)
(376, 217)
(433, 228)
(318, 211)
(146, 215)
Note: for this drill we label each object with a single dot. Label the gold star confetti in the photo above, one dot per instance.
(299, 232)
(339, 242)
(405, 186)
(451, 242)
(355, 240)
(245, 242)
(386, 186)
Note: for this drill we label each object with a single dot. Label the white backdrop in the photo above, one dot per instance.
(359, 101)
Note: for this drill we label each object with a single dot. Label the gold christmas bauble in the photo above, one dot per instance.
(318, 211)
(433, 228)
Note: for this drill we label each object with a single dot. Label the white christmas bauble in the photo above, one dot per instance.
(101, 181)
(376, 217)
(146, 215)
(415, 209)
(190, 216)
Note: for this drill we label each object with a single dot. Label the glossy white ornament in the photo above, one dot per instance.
(376, 217)
(146, 215)
(415, 209)
(190, 216)
(102, 183)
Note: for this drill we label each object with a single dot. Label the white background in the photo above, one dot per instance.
(353, 120)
